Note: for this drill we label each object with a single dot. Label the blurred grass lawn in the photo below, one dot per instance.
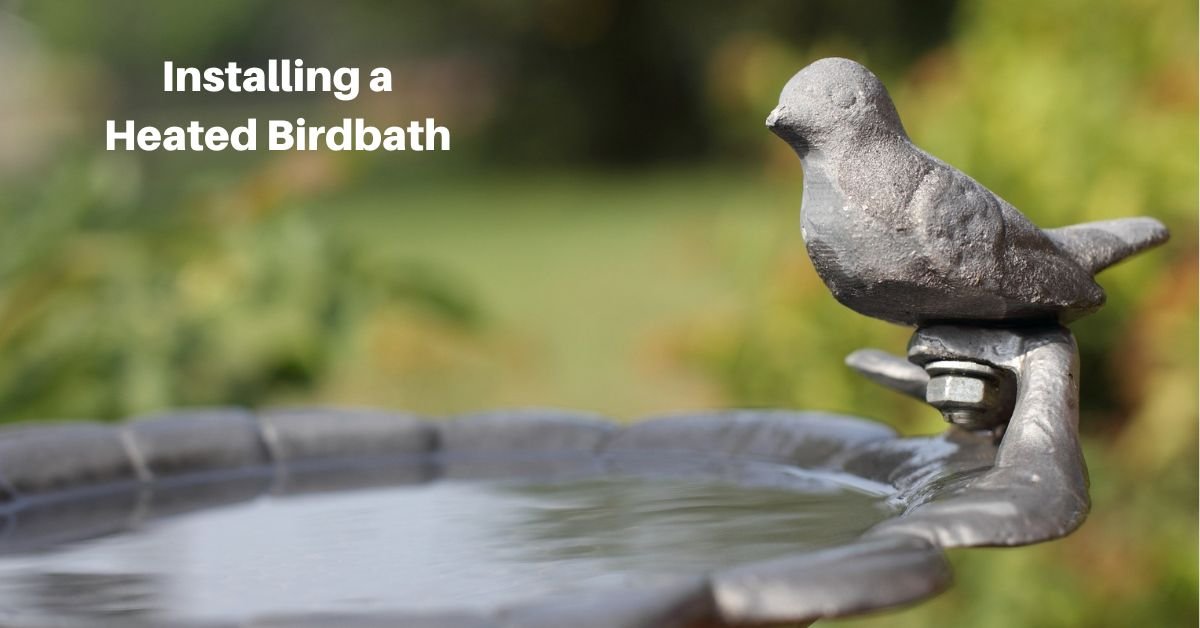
(585, 282)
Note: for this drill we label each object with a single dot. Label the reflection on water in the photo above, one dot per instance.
(439, 546)
(111, 595)
(679, 526)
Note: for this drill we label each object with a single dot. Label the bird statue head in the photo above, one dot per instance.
(831, 102)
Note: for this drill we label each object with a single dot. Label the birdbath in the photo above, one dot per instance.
(532, 518)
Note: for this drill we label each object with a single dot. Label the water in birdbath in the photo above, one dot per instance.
(448, 545)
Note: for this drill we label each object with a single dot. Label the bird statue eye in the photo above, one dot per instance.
(842, 96)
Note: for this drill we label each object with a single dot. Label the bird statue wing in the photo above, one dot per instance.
(1098, 245)
(961, 223)
(983, 243)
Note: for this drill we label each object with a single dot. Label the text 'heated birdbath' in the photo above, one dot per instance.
(277, 76)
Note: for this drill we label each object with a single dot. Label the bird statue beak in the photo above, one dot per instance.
(775, 118)
(782, 125)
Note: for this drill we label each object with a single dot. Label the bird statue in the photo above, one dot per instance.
(899, 235)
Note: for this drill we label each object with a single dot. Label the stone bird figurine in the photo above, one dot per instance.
(897, 234)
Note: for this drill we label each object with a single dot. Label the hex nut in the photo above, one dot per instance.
(959, 390)
(966, 393)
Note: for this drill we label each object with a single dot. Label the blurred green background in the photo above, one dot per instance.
(614, 229)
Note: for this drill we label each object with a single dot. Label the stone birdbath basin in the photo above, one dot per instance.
(320, 517)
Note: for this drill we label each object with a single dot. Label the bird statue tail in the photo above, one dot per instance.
(1098, 245)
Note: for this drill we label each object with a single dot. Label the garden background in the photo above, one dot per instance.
(614, 230)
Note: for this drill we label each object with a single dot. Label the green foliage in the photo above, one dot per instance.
(229, 303)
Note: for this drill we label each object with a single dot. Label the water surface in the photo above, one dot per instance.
(440, 546)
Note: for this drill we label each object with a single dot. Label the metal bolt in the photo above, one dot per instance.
(971, 395)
